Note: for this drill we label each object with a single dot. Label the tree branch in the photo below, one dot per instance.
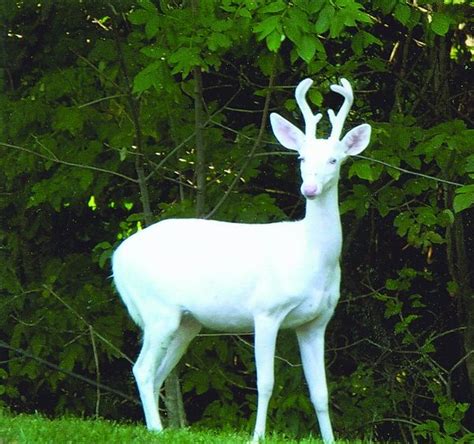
(67, 163)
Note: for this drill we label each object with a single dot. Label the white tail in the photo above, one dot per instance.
(179, 275)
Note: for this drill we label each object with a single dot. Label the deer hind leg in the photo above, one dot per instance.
(311, 342)
(158, 333)
(186, 332)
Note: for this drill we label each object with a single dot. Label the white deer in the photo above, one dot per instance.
(181, 274)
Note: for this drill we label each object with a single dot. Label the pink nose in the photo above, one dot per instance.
(310, 190)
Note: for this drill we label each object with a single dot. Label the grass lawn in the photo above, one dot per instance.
(35, 429)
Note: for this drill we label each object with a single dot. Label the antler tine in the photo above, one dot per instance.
(337, 121)
(310, 119)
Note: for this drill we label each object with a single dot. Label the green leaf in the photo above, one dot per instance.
(324, 19)
(416, 301)
(152, 26)
(431, 146)
(245, 13)
(391, 284)
(440, 23)
(30, 369)
(415, 16)
(265, 63)
(315, 96)
(85, 178)
(410, 318)
(362, 40)
(300, 19)
(469, 164)
(218, 40)
(267, 26)
(428, 347)
(148, 5)
(426, 216)
(104, 252)
(68, 119)
(292, 31)
(69, 356)
(276, 6)
(402, 13)
(451, 426)
(361, 16)
(221, 25)
(139, 17)
(306, 48)
(319, 46)
(464, 198)
(403, 222)
(377, 64)
(337, 24)
(37, 344)
(392, 308)
(427, 428)
(312, 6)
(453, 288)
(201, 382)
(446, 218)
(357, 201)
(147, 77)
(362, 169)
(153, 51)
(185, 59)
(387, 5)
(274, 40)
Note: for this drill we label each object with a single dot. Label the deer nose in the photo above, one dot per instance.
(310, 190)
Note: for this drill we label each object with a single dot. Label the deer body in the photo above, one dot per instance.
(179, 275)
(243, 272)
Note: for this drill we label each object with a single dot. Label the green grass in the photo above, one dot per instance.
(36, 429)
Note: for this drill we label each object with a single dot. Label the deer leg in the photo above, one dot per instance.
(157, 336)
(266, 330)
(311, 342)
(187, 331)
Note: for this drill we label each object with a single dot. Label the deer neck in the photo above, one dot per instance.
(322, 222)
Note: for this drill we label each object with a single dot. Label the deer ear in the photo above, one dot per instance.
(286, 133)
(357, 139)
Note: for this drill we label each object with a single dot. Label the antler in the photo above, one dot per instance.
(310, 119)
(337, 121)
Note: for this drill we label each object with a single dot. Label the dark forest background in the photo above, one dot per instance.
(116, 115)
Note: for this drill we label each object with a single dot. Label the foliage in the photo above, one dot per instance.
(97, 110)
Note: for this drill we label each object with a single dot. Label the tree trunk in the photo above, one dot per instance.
(464, 295)
(201, 166)
(459, 270)
(174, 401)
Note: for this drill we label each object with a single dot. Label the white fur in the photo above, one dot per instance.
(179, 275)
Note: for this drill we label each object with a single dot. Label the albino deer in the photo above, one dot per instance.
(181, 274)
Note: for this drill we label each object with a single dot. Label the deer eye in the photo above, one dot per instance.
(332, 161)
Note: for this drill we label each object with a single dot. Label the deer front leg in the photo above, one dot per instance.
(266, 330)
(311, 342)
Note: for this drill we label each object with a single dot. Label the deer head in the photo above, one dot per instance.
(321, 158)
